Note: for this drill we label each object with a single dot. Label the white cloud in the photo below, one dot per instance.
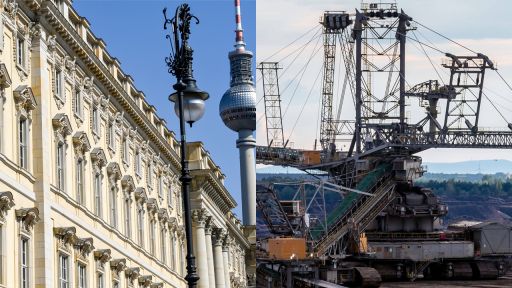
(282, 21)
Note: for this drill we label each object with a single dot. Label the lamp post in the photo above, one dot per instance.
(189, 107)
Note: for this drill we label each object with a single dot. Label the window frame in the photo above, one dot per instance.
(23, 142)
(21, 56)
(58, 82)
(24, 265)
(113, 206)
(60, 154)
(80, 181)
(79, 274)
(127, 217)
(64, 276)
(97, 183)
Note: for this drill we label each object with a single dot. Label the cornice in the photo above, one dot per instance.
(50, 13)
(206, 179)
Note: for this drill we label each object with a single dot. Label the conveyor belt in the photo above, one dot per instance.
(319, 283)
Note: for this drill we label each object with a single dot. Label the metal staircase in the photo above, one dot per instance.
(358, 216)
(272, 211)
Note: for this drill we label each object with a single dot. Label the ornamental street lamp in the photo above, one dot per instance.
(189, 107)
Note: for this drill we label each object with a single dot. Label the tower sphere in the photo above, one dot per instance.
(237, 107)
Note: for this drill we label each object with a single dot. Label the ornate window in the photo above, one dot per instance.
(5, 82)
(126, 150)
(163, 241)
(6, 203)
(81, 275)
(80, 169)
(25, 103)
(111, 136)
(60, 165)
(98, 160)
(20, 51)
(128, 187)
(23, 142)
(59, 86)
(140, 197)
(24, 262)
(161, 187)
(137, 163)
(140, 224)
(97, 194)
(63, 270)
(83, 247)
(78, 101)
(101, 257)
(152, 237)
(131, 274)
(149, 172)
(81, 145)
(100, 281)
(116, 266)
(27, 218)
(170, 195)
(62, 129)
(96, 120)
(114, 174)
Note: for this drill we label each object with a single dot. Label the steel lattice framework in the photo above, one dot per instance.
(272, 99)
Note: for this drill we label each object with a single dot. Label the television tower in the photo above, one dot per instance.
(237, 109)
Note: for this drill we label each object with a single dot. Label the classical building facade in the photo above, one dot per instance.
(89, 174)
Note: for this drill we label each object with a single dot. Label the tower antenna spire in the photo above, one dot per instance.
(239, 32)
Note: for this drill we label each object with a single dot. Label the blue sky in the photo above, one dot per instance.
(133, 31)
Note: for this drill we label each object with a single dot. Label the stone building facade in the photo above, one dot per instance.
(89, 173)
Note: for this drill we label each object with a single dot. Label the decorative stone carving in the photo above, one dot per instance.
(102, 256)
(5, 79)
(70, 63)
(114, 171)
(84, 246)
(218, 236)
(180, 231)
(98, 157)
(11, 6)
(199, 216)
(62, 125)
(35, 30)
(127, 183)
(132, 273)
(163, 215)
(87, 83)
(140, 194)
(208, 225)
(152, 205)
(145, 281)
(25, 100)
(226, 242)
(117, 265)
(51, 43)
(28, 217)
(157, 285)
(173, 224)
(6, 203)
(81, 143)
(66, 234)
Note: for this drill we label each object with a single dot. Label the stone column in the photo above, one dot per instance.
(199, 218)
(209, 251)
(225, 255)
(218, 239)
